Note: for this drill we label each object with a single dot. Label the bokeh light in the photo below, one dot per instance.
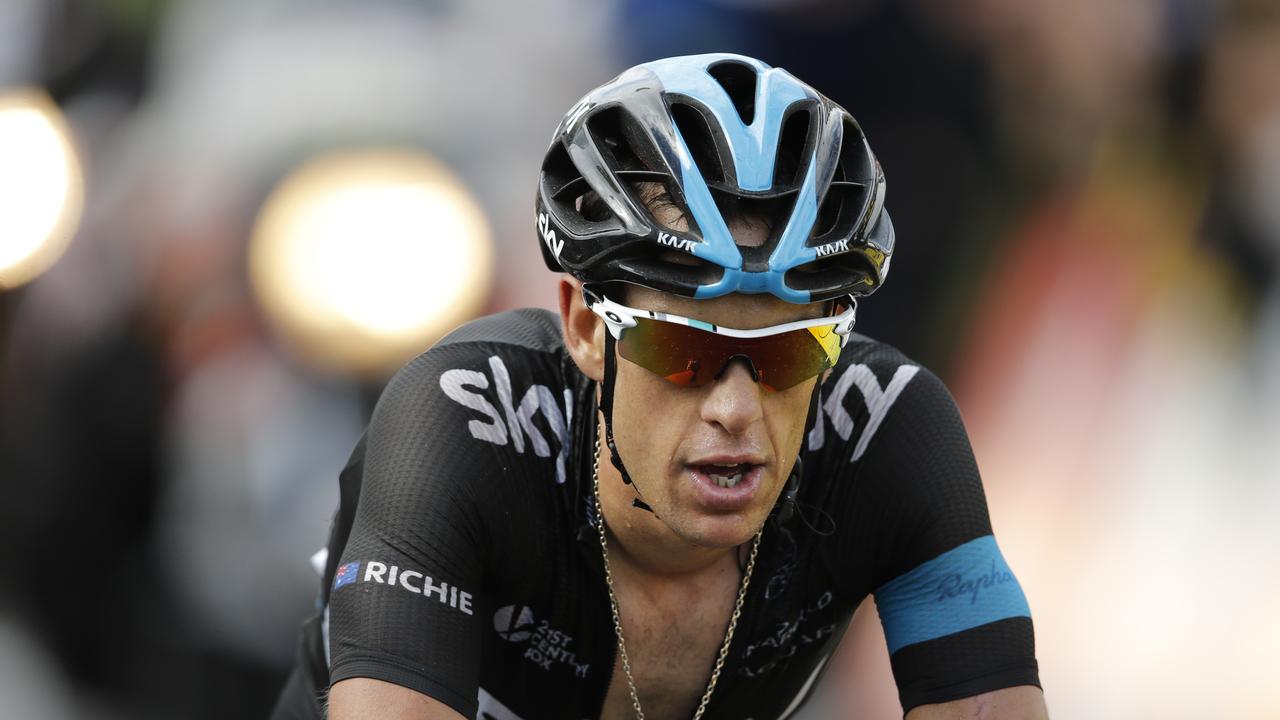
(41, 186)
(363, 259)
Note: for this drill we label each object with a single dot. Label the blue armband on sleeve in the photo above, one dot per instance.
(967, 586)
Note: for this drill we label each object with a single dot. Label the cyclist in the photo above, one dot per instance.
(668, 501)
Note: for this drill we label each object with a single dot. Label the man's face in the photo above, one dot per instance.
(673, 438)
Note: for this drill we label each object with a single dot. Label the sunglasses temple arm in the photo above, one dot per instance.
(614, 320)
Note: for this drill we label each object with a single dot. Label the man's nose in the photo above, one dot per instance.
(734, 402)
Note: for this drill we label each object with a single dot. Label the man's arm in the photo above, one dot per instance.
(956, 621)
(360, 698)
(1025, 702)
(411, 566)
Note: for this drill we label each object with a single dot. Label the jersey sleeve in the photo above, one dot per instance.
(955, 619)
(403, 600)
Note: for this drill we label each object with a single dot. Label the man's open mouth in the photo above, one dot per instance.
(726, 476)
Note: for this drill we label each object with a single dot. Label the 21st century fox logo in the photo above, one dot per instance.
(411, 580)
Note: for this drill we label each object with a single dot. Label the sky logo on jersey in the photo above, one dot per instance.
(878, 400)
(346, 574)
(514, 424)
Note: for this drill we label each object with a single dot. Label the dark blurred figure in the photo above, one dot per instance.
(79, 461)
(1241, 112)
(90, 367)
(78, 421)
(85, 426)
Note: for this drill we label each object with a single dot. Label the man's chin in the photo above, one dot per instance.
(716, 532)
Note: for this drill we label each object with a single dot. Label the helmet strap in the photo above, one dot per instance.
(787, 504)
(606, 407)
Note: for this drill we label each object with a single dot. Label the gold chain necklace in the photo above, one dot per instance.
(617, 622)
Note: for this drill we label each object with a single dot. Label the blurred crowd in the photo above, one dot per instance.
(1087, 200)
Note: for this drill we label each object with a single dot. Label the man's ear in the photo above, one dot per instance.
(583, 330)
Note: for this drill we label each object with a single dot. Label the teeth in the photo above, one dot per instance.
(725, 481)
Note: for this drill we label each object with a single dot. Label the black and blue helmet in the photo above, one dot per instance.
(712, 128)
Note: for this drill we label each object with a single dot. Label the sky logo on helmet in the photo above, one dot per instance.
(346, 574)
(549, 235)
(576, 112)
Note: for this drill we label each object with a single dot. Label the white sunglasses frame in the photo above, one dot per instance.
(618, 317)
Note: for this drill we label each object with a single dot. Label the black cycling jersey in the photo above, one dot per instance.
(464, 560)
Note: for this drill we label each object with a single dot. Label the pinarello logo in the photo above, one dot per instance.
(514, 623)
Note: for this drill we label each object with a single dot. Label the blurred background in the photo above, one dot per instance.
(224, 224)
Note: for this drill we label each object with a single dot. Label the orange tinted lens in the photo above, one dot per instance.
(680, 354)
(689, 356)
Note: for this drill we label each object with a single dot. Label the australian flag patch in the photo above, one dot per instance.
(346, 574)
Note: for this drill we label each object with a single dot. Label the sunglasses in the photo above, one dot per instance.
(692, 353)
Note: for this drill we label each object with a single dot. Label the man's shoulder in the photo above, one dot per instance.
(872, 382)
(488, 407)
(529, 328)
(526, 341)
(491, 362)
(872, 353)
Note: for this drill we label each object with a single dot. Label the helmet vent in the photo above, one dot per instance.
(612, 131)
(793, 145)
(856, 160)
(828, 214)
(697, 136)
(847, 270)
(739, 81)
(560, 179)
